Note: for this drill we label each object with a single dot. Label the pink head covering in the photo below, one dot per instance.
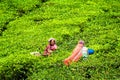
(81, 42)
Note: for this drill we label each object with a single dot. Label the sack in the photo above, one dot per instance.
(35, 53)
(90, 51)
(85, 52)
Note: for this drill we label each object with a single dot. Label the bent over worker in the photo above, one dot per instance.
(79, 51)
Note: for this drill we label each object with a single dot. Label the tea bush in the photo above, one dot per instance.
(27, 25)
(17, 67)
(12, 9)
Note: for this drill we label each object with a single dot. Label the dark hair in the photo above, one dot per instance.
(51, 41)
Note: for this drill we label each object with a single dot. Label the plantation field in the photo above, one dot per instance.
(26, 26)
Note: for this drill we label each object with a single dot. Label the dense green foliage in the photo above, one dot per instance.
(26, 25)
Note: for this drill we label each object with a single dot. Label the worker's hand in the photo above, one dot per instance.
(49, 51)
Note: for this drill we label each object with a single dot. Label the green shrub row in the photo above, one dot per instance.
(96, 22)
(17, 67)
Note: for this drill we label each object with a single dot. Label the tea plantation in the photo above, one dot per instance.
(26, 26)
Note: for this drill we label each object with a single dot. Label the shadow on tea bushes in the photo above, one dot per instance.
(17, 67)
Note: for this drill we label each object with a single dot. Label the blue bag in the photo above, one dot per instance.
(90, 51)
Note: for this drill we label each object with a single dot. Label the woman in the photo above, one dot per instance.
(50, 47)
(78, 52)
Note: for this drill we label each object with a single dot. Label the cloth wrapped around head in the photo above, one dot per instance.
(81, 42)
(51, 39)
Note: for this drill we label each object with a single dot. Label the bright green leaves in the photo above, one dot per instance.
(26, 26)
